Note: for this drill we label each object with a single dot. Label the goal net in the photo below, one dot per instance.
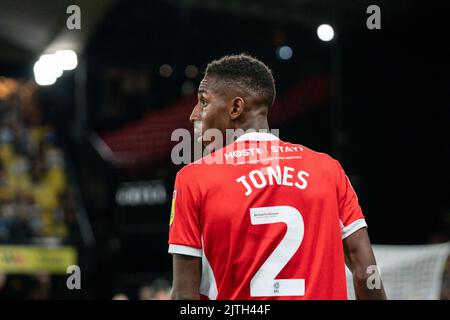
(409, 272)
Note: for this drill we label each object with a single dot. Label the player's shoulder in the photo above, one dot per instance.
(189, 170)
(194, 168)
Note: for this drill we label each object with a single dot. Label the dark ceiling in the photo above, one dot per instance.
(29, 27)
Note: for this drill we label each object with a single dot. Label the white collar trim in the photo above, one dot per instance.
(258, 136)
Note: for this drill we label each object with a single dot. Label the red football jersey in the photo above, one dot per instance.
(267, 217)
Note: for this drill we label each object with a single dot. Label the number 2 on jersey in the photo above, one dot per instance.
(263, 283)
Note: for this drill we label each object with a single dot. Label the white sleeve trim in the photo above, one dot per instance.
(186, 250)
(352, 227)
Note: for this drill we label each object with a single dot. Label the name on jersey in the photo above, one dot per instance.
(276, 175)
(254, 151)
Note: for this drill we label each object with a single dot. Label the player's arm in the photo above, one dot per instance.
(186, 277)
(359, 257)
(185, 243)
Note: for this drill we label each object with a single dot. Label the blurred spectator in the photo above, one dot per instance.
(146, 292)
(18, 287)
(42, 289)
(3, 293)
(158, 290)
(162, 289)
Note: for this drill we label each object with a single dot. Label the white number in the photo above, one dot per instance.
(264, 284)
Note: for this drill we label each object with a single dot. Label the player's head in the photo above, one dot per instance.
(235, 93)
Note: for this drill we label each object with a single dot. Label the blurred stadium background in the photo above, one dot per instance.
(85, 170)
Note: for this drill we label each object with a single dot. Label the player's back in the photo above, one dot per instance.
(267, 218)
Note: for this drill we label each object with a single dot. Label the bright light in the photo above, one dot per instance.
(325, 32)
(50, 67)
(52, 64)
(42, 76)
(66, 59)
(46, 70)
(284, 52)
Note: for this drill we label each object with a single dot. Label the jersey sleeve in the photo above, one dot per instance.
(184, 225)
(350, 213)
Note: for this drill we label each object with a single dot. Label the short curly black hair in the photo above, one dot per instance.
(245, 72)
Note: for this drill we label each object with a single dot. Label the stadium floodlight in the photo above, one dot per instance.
(46, 70)
(52, 64)
(325, 32)
(284, 52)
(67, 59)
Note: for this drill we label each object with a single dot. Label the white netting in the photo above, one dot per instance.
(409, 272)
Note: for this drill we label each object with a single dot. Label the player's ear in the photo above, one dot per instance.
(237, 107)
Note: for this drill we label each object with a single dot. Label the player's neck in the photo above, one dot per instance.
(256, 123)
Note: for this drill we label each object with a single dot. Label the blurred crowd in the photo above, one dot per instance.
(34, 197)
(159, 289)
